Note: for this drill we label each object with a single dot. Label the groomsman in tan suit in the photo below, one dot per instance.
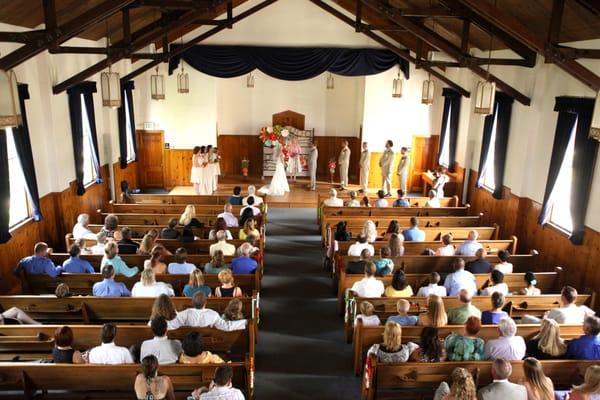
(343, 164)
(403, 168)
(365, 158)
(385, 163)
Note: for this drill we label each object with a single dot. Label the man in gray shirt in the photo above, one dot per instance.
(167, 351)
(501, 388)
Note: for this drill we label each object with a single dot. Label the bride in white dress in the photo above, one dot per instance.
(279, 183)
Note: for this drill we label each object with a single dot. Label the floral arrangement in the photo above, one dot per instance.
(286, 153)
(303, 161)
(245, 165)
(271, 134)
(332, 165)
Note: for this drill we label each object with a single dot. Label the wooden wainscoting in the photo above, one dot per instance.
(329, 147)
(518, 216)
(178, 167)
(234, 148)
(129, 174)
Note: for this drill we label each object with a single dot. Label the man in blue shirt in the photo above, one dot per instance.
(38, 263)
(414, 234)
(460, 279)
(76, 265)
(108, 287)
(244, 264)
(586, 347)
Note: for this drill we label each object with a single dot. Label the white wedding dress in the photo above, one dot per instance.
(279, 183)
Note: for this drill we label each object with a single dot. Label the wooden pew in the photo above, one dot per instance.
(415, 201)
(366, 336)
(87, 309)
(160, 208)
(392, 211)
(138, 231)
(180, 199)
(419, 380)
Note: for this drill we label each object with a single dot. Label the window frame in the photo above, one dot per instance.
(445, 145)
(87, 145)
(131, 153)
(11, 148)
(490, 156)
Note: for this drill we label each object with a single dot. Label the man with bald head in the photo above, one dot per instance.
(333, 200)
(470, 246)
(501, 388)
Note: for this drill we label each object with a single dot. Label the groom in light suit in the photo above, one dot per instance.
(343, 164)
(365, 158)
(385, 163)
(312, 166)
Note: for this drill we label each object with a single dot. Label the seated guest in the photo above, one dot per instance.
(216, 264)
(414, 234)
(247, 214)
(360, 244)
(393, 228)
(448, 248)
(148, 287)
(108, 287)
(507, 346)
(146, 245)
(436, 313)
(428, 252)
(111, 257)
(498, 285)
(587, 347)
(547, 344)
(155, 262)
(111, 227)
(149, 385)
(431, 347)
(19, 316)
(396, 245)
(198, 316)
(501, 388)
(180, 266)
(227, 288)
(466, 347)
(170, 232)
(76, 265)
(333, 200)
(401, 201)
(470, 246)
(367, 314)
(38, 263)
(538, 385)
(108, 352)
(458, 316)
(126, 245)
(196, 285)
(590, 388)
(244, 264)
(166, 350)
(365, 201)
(432, 287)
(252, 194)
(570, 312)
(399, 286)
(530, 289)
(402, 318)
(463, 387)
(392, 350)
(341, 234)
(358, 267)
(369, 286)
(504, 266)
(381, 202)
(188, 218)
(63, 352)
(163, 307)
(493, 316)
(235, 199)
(249, 229)
(81, 230)
(227, 215)
(479, 265)
(433, 201)
(384, 263)
(227, 248)
(221, 387)
(192, 351)
(62, 291)
(250, 205)
(460, 279)
(353, 202)
(369, 229)
(220, 225)
(99, 247)
(232, 318)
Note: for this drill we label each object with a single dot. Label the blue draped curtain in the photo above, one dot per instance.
(450, 120)
(287, 63)
(126, 93)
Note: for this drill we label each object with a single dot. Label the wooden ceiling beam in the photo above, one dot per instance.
(438, 12)
(402, 53)
(439, 42)
(558, 7)
(570, 52)
(23, 37)
(464, 43)
(174, 4)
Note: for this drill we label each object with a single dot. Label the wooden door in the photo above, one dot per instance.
(151, 159)
(423, 153)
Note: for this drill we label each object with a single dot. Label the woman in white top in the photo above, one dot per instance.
(81, 230)
(367, 314)
(434, 201)
(294, 166)
(530, 289)
(498, 284)
(370, 231)
(211, 168)
(504, 266)
(148, 287)
(205, 173)
(448, 248)
(195, 177)
(440, 180)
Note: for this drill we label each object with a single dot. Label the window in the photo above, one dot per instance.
(89, 172)
(128, 132)
(560, 199)
(445, 151)
(20, 208)
(489, 180)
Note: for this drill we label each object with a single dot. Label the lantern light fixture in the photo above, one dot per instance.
(330, 83)
(250, 81)
(397, 86)
(157, 86)
(10, 115)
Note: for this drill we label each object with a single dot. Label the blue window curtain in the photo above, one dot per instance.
(4, 190)
(126, 93)
(87, 89)
(23, 147)
(571, 111)
(450, 117)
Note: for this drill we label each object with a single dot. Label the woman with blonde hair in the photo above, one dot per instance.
(435, 316)
(463, 387)
(227, 288)
(163, 307)
(547, 344)
(538, 385)
(396, 244)
(146, 245)
(111, 256)
(370, 231)
(148, 287)
(196, 284)
(590, 388)
(367, 314)
(392, 350)
(249, 229)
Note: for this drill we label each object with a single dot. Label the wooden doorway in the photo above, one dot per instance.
(151, 158)
(423, 154)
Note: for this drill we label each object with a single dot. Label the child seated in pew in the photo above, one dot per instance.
(384, 264)
(196, 285)
(180, 266)
(367, 314)
(232, 318)
(193, 353)
(403, 318)
(432, 287)
(63, 352)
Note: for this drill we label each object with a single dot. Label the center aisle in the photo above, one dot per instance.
(301, 352)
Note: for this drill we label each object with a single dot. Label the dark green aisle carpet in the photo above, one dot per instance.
(301, 353)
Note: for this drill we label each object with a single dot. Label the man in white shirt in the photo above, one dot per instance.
(432, 287)
(470, 246)
(250, 204)
(433, 201)
(569, 312)
(381, 201)
(507, 346)
(81, 230)
(501, 388)
(361, 243)
(167, 351)
(199, 316)
(460, 279)
(333, 200)
(228, 216)
(227, 248)
(108, 352)
(369, 286)
(353, 202)
(252, 193)
(220, 388)
(98, 248)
